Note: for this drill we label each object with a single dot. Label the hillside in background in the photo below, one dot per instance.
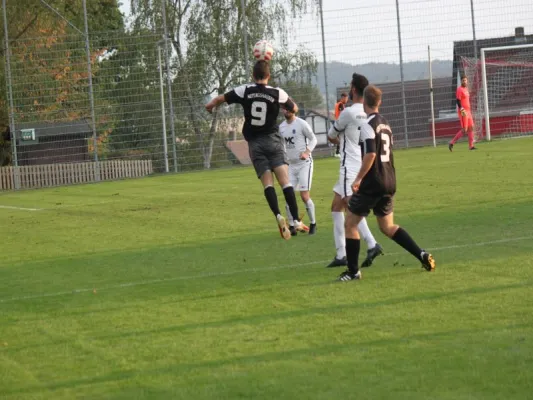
(339, 74)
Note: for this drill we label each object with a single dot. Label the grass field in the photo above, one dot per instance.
(179, 287)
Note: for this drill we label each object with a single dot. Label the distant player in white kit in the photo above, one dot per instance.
(346, 132)
(299, 141)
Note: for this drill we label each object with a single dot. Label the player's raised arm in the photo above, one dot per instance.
(215, 103)
(338, 127)
(286, 102)
(233, 96)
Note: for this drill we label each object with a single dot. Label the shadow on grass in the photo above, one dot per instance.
(263, 318)
(252, 360)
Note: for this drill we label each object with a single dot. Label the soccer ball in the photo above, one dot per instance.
(263, 50)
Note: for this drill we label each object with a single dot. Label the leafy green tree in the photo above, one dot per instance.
(49, 68)
(207, 47)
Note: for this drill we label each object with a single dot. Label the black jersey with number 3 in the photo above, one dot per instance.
(376, 136)
(261, 105)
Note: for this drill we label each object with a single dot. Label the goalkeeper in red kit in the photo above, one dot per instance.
(465, 115)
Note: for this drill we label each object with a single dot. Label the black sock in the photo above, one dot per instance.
(290, 198)
(272, 198)
(352, 254)
(403, 239)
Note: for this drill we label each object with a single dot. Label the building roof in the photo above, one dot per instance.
(465, 48)
(420, 85)
(43, 128)
(318, 113)
(418, 105)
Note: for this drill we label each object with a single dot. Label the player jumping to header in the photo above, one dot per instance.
(299, 144)
(261, 104)
(465, 115)
(374, 189)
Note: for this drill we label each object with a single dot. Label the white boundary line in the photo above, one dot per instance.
(62, 206)
(243, 271)
(21, 208)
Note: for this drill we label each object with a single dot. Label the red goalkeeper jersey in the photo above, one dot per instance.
(464, 97)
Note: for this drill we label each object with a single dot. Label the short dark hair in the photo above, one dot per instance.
(261, 70)
(372, 96)
(463, 76)
(359, 83)
(344, 94)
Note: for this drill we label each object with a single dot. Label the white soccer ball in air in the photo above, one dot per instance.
(263, 50)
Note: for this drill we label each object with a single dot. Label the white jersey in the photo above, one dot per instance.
(347, 129)
(297, 137)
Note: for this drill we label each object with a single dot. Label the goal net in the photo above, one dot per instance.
(501, 91)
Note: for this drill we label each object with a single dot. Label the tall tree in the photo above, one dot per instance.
(130, 79)
(49, 66)
(208, 42)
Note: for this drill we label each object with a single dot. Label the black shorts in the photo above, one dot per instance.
(267, 152)
(361, 204)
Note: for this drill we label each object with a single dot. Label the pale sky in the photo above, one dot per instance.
(363, 31)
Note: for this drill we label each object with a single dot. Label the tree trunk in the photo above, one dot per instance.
(208, 152)
(192, 109)
(207, 149)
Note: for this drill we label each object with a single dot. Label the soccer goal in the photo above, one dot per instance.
(501, 91)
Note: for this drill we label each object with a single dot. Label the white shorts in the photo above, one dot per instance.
(343, 187)
(301, 175)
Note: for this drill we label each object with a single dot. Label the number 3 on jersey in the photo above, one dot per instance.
(259, 113)
(385, 151)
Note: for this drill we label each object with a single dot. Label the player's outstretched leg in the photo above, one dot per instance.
(353, 245)
(337, 214)
(310, 208)
(282, 174)
(340, 242)
(292, 229)
(272, 199)
(290, 198)
(458, 136)
(400, 236)
(471, 140)
(374, 248)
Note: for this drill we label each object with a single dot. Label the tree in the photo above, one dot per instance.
(294, 71)
(130, 79)
(306, 95)
(207, 40)
(48, 59)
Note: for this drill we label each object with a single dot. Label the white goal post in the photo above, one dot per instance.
(514, 61)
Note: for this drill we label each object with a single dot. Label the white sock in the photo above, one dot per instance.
(310, 207)
(289, 216)
(365, 233)
(338, 233)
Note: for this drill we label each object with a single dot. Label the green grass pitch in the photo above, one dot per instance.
(179, 287)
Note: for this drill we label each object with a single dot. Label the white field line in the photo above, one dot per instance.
(57, 207)
(243, 271)
(21, 208)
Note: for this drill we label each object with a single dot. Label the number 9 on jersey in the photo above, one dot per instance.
(259, 112)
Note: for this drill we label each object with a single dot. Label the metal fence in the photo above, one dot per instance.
(76, 96)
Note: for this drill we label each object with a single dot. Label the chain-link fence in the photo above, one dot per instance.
(142, 111)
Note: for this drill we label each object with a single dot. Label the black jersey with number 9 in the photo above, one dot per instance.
(381, 179)
(261, 105)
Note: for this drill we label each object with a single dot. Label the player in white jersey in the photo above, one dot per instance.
(346, 132)
(299, 140)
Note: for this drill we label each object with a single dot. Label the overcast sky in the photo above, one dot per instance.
(362, 31)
